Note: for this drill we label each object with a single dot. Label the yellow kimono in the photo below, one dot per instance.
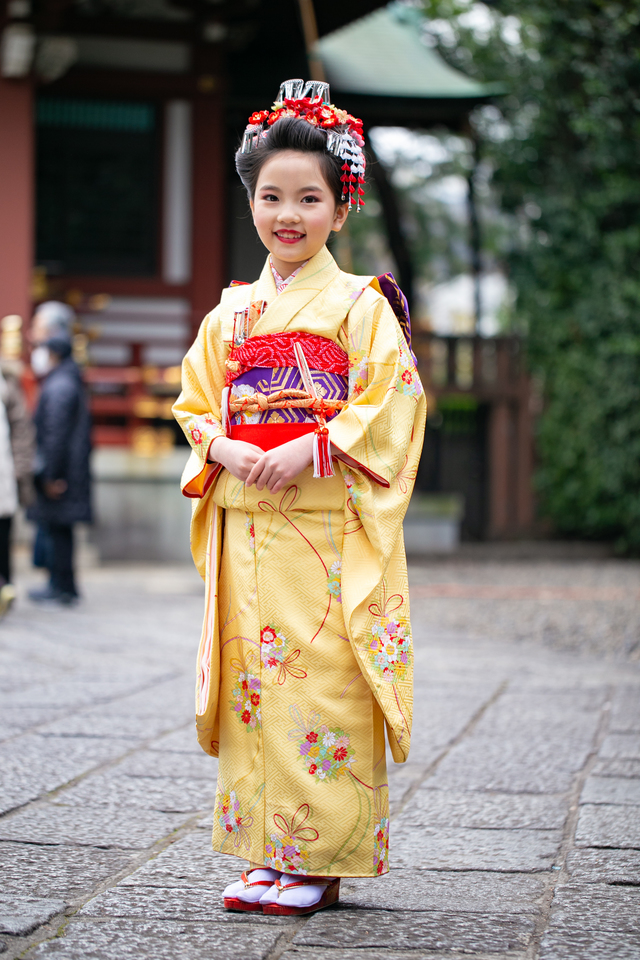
(306, 645)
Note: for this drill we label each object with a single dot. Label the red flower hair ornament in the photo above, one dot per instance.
(310, 100)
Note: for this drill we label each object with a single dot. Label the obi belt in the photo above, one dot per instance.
(269, 403)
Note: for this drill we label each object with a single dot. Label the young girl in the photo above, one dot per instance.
(305, 414)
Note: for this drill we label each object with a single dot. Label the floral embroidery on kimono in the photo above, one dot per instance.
(286, 849)
(334, 583)
(408, 381)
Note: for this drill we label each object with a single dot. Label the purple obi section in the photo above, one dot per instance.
(329, 386)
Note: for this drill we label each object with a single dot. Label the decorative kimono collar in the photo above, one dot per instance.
(314, 275)
(282, 284)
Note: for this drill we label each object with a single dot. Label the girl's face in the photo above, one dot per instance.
(294, 209)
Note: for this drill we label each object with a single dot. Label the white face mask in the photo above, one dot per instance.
(41, 361)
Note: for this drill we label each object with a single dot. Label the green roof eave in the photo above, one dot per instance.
(382, 55)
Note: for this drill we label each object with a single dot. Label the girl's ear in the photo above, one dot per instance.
(342, 212)
(253, 210)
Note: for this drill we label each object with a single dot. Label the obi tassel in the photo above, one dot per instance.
(224, 410)
(322, 462)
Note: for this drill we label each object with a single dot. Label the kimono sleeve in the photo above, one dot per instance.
(197, 409)
(385, 393)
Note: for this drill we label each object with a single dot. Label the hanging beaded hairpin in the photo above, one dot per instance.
(310, 100)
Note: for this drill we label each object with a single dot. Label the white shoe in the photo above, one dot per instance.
(244, 894)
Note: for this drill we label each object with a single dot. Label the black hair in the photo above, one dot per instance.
(290, 133)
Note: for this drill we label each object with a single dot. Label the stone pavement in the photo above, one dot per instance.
(515, 825)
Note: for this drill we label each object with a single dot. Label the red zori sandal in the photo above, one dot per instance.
(331, 895)
(233, 899)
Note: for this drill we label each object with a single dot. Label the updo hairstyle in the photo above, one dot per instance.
(291, 133)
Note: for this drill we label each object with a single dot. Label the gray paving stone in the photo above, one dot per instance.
(616, 790)
(608, 826)
(324, 953)
(65, 693)
(33, 765)
(572, 942)
(429, 930)
(19, 718)
(594, 922)
(604, 866)
(177, 795)
(617, 768)
(34, 871)
(98, 723)
(621, 746)
(440, 890)
(104, 827)
(189, 861)
(598, 907)
(179, 741)
(521, 851)
(120, 939)
(20, 915)
(152, 763)
(431, 807)
(625, 710)
(401, 778)
(507, 767)
(186, 903)
(441, 713)
(529, 742)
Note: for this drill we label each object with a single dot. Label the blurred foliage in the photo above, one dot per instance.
(564, 141)
(429, 172)
(420, 166)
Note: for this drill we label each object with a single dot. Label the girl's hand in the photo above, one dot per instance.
(277, 467)
(237, 456)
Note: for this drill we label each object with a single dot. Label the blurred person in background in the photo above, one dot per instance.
(8, 503)
(63, 441)
(17, 448)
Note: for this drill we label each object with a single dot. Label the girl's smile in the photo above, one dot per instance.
(294, 209)
(288, 236)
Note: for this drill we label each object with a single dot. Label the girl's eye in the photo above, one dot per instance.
(310, 199)
(270, 197)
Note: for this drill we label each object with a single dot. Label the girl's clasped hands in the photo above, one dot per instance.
(272, 469)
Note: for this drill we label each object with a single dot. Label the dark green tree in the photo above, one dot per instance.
(564, 141)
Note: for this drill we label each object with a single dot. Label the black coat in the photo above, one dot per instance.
(63, 439)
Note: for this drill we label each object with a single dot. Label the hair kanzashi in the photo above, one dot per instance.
(302, 119)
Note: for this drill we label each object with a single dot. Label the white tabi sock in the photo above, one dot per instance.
(251, 894)
(304, 896)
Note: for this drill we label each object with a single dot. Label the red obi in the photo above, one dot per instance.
(276, 350)
(268, 436)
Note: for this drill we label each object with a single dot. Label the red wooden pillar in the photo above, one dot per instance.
(209, 206)
(16, 197)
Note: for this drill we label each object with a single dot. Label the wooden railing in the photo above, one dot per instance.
(493, 372)
(487, 367)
